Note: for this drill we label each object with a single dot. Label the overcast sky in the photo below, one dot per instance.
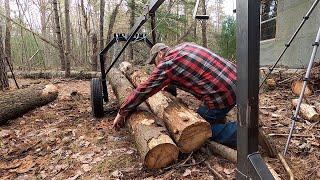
(229, 5)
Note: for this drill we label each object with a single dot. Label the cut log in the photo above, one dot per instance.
(16, 103)
(271, 84)
(296, 87)
(223, 151)
(307, 111)
(154, 144)
(187, 128)
(55, 74)
(317, 105)
(231, 155)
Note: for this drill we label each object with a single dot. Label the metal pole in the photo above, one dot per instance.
(305, 79)
(287, 45)
(250, 165)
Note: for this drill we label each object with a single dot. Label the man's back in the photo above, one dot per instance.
(204, 74)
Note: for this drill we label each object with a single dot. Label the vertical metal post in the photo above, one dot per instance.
(250, 164)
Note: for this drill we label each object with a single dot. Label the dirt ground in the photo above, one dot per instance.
(63, 141)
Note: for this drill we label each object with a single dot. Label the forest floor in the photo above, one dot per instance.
(63, 141)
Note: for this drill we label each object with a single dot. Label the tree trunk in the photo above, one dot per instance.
(68, 38)
(58, 33)
(154, 144)
(16, 103)
(112, 21)
(43, 9)
(7, 40)
(204, 26)
(55, 74)
(186, 127)
(132, 7)
(307, 111)
(94, 57)
(102, 5)
(86, 26)
(4, 84)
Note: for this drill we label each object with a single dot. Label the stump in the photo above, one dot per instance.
(154, 144)
(187, 128)
(16, 103)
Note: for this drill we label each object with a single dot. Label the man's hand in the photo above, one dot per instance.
(118, 122)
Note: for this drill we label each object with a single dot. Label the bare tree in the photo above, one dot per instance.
(204, 26)
(113, 20)
(94, 57)
(3, 74)
(58, 33)
(132, 6)
(102, 6)
(68, 39)
(7, 40)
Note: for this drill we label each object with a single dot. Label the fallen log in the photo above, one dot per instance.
(317, 105)
(307, 111)
(154, 144)
(55, 74)
(296, 88)
(187, 128)
(231, 155)
(14, 104)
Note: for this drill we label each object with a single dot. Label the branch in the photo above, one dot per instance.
(34, 33)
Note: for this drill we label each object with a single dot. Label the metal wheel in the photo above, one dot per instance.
(96, 98)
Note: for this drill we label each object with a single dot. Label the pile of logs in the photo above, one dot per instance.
(164, 127)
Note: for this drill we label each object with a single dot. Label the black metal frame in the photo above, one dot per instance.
(150, 10)
(250, 164)
(117, 38)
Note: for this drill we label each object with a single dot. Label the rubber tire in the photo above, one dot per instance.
(96, 98)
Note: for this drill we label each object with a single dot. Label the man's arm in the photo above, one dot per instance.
(156, 81)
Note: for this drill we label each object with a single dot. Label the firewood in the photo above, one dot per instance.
(231, 155)
(296, 87)
(187, 128)
(307, 111)
(317, 105)
(16, 103)
(154, 144)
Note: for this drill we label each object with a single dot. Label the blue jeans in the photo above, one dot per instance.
(222, 133)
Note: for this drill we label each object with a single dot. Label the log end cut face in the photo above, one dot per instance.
(162, 152)
(194, 136)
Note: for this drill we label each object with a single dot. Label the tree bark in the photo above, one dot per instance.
(7, 40)
(132, 7)
(68, 38)
(4, 84)
(16, 103)
(186, 127)
(94, 57)
(154, 144)
(204, 26)
(112, 21)
(102, 6)
(55, 74)
(307, 111)
(58, 33)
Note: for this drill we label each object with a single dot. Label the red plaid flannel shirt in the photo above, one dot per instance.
(194, 69)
